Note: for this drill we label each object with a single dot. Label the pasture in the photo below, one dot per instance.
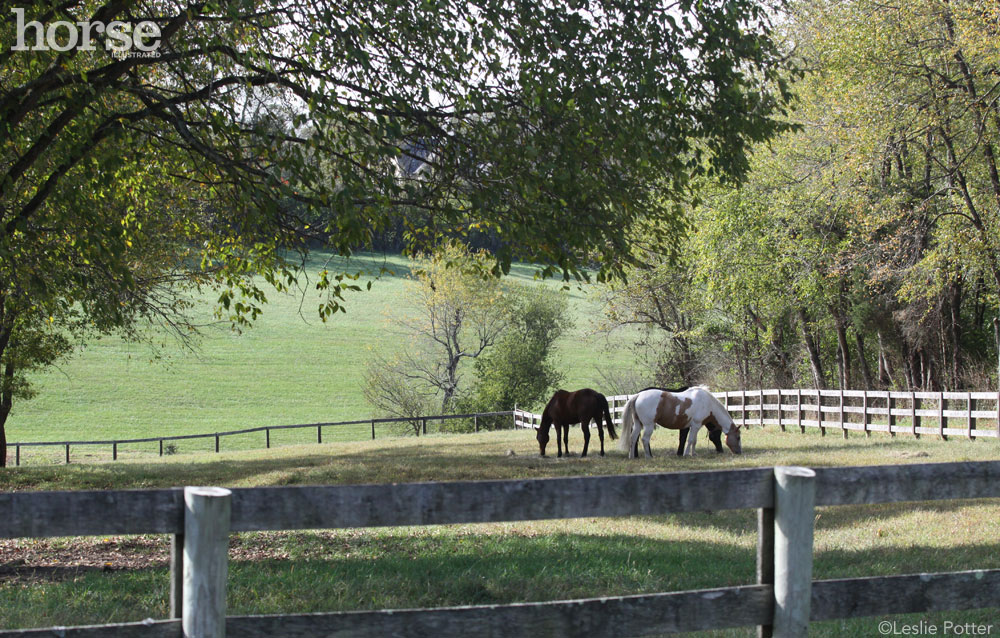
(448, 565)
(289, 368)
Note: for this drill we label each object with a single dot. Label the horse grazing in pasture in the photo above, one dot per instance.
(714, 429)
(568, 408)
(691, 408)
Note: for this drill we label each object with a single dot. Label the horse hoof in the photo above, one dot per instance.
(602, 453)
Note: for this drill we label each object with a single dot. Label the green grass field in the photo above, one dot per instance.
(289, 368)
(499, 563)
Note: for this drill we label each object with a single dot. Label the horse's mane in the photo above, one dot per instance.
(717, 403)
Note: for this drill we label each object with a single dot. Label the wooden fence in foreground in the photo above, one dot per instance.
(967, 414)
(785, 597)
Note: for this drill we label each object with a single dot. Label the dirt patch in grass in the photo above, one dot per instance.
(32, 561)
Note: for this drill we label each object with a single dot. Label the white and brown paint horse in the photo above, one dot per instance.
(692, 408)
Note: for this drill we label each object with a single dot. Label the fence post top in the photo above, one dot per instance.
(793, 472)
(209, 492)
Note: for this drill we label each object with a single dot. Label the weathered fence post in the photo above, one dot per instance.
(864, 412)
(798, 410)
(760, 414)
(971, 422)
(67, 454)
(216, 442)
(942, 420)
(319, 433)
(765, 557)
(794, 500)
(843, 423)
(176, 575)
(915, 420)
(373, 429)
(267, 438)
(891, 404)
(206, 546)
(114, 451)
(819, 413)
(743, 407)
(475, 422)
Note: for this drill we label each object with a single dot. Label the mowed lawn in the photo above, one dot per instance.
(477, 564)
(288, 368)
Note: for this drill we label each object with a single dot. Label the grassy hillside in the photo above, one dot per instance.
(289, 368)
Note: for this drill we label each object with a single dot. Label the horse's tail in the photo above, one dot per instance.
(607, 419)
(628, 421)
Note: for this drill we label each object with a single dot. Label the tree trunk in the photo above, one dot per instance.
(884, 366)
(926, 372)
(866, 373)
(955, 331)
(815, 363)
(843, 352)
(6, 384)
(6, 402)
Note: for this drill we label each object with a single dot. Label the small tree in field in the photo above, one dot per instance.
(458, 313)
(519, 368)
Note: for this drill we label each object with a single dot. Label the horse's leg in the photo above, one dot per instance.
(585, 426)
(693, 439)
(715, 436)
(600, 431)
(634, 447)
(566, 437)
(682, 439)
(646, 435)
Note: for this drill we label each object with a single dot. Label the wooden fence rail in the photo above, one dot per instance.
(967, 414)
(266, 429)
(784, 582)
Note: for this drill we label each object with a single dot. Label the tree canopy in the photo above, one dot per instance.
(243, 133)
(862, 249)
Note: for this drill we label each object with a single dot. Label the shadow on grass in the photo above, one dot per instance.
(402, 568)
(829, 519)
(399, 569)
(455, 569)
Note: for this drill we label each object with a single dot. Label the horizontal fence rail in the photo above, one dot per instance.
(41, 514)
(421, 421)
(966, 414)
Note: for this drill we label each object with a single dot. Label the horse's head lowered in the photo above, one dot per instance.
(733, 439)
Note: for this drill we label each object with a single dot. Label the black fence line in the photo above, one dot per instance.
(114, 443)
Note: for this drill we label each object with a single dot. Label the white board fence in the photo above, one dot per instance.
(966, 414)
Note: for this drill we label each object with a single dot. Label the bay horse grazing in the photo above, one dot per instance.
(714, 429)
(691, 408)
(568, 408)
